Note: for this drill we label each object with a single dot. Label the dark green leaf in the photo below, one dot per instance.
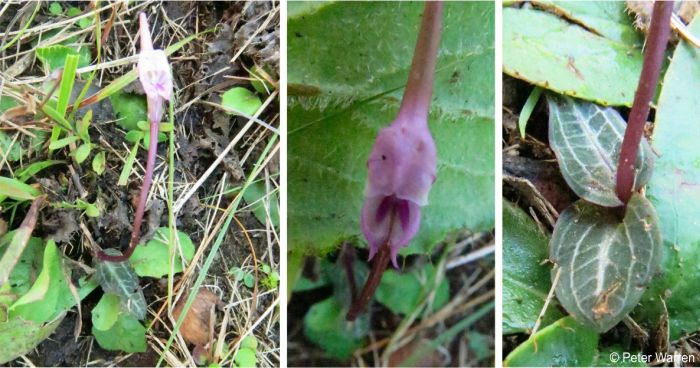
(587, 139)
(263, 203)
(605, 262)
(525, 275)
(325, 326)
(674, 191)
(401, 292)
(130, 109)
(119, 278)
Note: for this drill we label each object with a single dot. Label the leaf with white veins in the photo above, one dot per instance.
(606, 263)
(586, 139)
(119, 278)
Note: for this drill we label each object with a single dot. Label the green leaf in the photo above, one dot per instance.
(73, 12)
(609, 19)
(241, 100)
(349, 93)
(55, 9)
(28, 267)
(20, 337)
(250, 342)
(586, 139)
(130, 109)
(119, 278)
(673, 190)
(245, 358)
(605, 262)
(256, 195)
(17, 190)
(63, 142)
(28, 171)
(126, 334)
(99, 163)
(553, 53)
(90, 209)
(525, 275)
(401, 292)
(49, 294)
(82, 152)
(152, 259)
(565, 343)
(325, 326)
(106, 312)
(55, 56)
(249, 280)
(134, 136)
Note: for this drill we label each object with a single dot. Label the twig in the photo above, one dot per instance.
(659, 32)
(471, 256)
(550, 296)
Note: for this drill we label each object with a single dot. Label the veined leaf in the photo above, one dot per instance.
(586, 139)
(605, 263)
(119, 278)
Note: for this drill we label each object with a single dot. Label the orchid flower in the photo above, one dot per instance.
(402, 164)
(157, 81)
(403, 159)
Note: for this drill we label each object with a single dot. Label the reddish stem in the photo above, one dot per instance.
(381, 260)
(659, 32)
(419, 89)
(143, 196)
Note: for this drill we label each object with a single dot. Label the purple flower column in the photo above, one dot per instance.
(402, 163)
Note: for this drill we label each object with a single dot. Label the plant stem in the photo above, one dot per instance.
(659, 32)
(171, 202)
(381, 260)
(143, 196)
(419, 88)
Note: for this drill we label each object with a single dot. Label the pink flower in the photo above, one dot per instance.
(154, 73)
(402, 164)
(401, 172)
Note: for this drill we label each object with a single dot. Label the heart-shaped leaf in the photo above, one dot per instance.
(605, 262)
(586, 139)
(152, 259)
(326, 326)
(119, 278)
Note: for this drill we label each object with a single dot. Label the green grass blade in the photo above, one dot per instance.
(128, 165)
(67, 81)
(527, 109)
(57, 117)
